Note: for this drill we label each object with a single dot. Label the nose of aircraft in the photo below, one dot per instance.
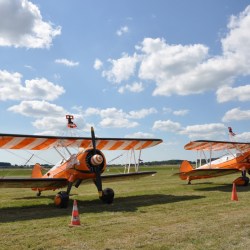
(96, 160)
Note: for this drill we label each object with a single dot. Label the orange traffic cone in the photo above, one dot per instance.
(234, 193)
(75, 220)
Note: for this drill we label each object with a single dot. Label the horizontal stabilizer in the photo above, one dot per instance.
(50, 183)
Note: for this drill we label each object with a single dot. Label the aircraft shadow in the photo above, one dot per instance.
(224, 188)
(121, 204)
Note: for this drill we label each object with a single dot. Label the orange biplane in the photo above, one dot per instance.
(237, 159)
(88, 164)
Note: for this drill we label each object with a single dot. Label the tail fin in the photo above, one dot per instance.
(184, 168)
(37, 171)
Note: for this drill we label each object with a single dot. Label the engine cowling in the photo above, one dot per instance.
(91, 159)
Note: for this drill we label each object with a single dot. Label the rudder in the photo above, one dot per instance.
(37, 171)
(184, 168)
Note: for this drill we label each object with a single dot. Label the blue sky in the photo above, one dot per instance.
(175, 70)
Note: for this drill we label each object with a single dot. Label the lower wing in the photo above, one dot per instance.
(207, 173)
(55, 183)
(120, 177)
(50, 183)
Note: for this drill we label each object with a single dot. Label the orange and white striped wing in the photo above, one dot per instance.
(33, 142)
(216, 145)
(126, 144)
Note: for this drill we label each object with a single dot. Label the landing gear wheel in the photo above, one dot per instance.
(246, 179)
(38, 193)
(62, 199)
(108, 195)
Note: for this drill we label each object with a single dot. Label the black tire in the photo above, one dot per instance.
(246, 179)
(62, 199)
(108, 195)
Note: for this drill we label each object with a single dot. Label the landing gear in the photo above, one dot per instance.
(107, 195)
(38, 193)
(62, 199)
(243, 180)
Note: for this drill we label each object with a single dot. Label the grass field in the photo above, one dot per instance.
(160, 212)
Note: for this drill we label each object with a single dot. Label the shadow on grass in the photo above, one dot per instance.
(223, 188)
(121, 204)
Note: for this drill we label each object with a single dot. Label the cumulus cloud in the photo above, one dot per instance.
(37, 109)
(57, 123)
(122, 31)
(11, 88)
(139, 135)
(139, 114)
(188, 69)
(22, 25)
(167, 125)
(205, 131)
(67, 62)
(98, 64)
(226, 94)
(136, 87)
(243, 137)
(113, 117)
(236, 114)
(181, 112)
(121, 69)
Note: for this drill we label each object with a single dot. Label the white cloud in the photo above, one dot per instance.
(205, 131)
(11, 88)
(167, 125)
(243, 137)
(136, 87)
(181, 112)
(139, 114)
(122, 31)
(139, 135)
(113, 117)
(122, 69)
(37, 109)
(67, 62)
(236, 115)
(22, 25)
(98, 64)
(188, 69)
(241, 93)
(58, 123)
(110, 122)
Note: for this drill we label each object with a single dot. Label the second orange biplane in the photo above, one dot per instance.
(237, 159)
(88, 164)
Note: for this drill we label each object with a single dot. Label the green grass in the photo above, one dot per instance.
(160, 212)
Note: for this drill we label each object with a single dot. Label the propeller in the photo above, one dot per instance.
(96, 161)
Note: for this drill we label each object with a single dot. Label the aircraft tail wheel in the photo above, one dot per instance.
(108, 195)
(62, 199)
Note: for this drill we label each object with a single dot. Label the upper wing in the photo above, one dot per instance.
(216, 145)
(39, 142)
(52, 183)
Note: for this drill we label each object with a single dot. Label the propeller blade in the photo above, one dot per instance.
(96, 161)
(93, 139)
